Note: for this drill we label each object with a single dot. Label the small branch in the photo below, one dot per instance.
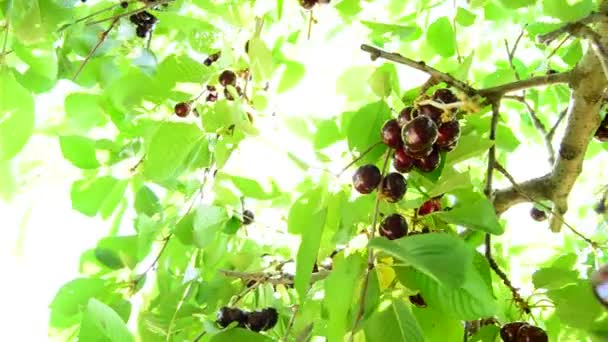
(109, 8)
(370, 252)
(368, 150)
(438, 75)
(153, 264)
(561, 117)
(274, 278)
(551, 36)
(499, 91)
(126, 14)
(5, 43)
(102, 38)
(290, 324)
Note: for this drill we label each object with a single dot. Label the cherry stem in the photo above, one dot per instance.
(139, 10)
(369, 149)
(370, 251)
(102, 38)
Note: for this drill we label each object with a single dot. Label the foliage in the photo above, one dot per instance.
(186, 181)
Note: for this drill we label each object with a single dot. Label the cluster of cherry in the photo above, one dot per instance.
(417, 136)
(144, 23)
(522, 331)
(264, 319)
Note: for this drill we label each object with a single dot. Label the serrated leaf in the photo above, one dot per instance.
(440, 36)
(472, 210)
(340, 288)
(101, 323)
(80, 151)
(364, 130)
(576, 304)
(384, 80)
(146, 202)
(294, 72)
(208, 222)
(441, 256)
(168, 148)
(16, 115)
(393, 321)
(563, 10)
(465, 17)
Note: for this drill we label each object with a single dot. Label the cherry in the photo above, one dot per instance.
(212, 58)
(402, 162)
(601, 134)
(405, 116)
(391, 134)
(212, 97)
(429, 163)
(308, 4)
(419, 134)
(393, 227)
(432, 112)
(448, 148)
(227, 77)
(262, 320)
(599, 282)
(393, 187)
(600, 207)
(229, 96)
(430, 206)
(509, 331)
(418, 301)
(124, 4)
(228, 315)
(182, 109)
(444, 95)
(247, 47)
(248, 217)
(367, 178)
(448, 134)
(141, 31)
(538, 214)
(418, 154)
(530, 333)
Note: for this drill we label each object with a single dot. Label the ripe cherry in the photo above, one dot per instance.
(248, 217)
(227, 77)
(182, 109)
(212, 97)
(393, 187)
(418, 301)
(141, 31)
(444, 95)
(402, 162)
(448, 134)
(430, 162)
(418, 154)
(601, 134)
(366, 178)
(393, 227)
(391, 134)
(308, 4)
(419, 134)
(599, 282)
(228, 315)
(212, 58)
(432, 112)
(430, 206)
(530, 333)
(509, 331)
(405, 116)
(538, 214)
(262, 320)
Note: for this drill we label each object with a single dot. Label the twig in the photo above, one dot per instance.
(370, 252)
(438, 75)
(126, 14)
(90, 16)
(153, 264)
(369, 149)
(290, 324)
(5, 43)
(197, 338)
(102, 38)
(561, 117)
(551, 36)
(134, 167)
(499, 91)
(511, 52)
(272, 278)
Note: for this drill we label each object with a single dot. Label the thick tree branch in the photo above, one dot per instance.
(551, 36)
(499, 91)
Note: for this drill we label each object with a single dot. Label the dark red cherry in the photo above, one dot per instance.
(366, 178)
(419, 134)
(212, 58)
(402, 162)
(509, 331)
(530, 333)
(124, 4)
(182, 109)
(405, 116)
(308, 4)
(538, 214)
(444, 95)
(248, 217)
(391, 134)
(393, 187)
(432, 112)
(430, 206)
(448, 134)
(448, 148)
(141, 31)
(418, 154)
(393, 227)
(262, 320)
(599, 282)
(212, 97)
(601, 134)
(418, 301)
(430, 162)
(228, 315)
(227, 77)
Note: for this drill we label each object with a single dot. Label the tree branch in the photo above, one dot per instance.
(499, 91)
(274, 278)
(569, 27)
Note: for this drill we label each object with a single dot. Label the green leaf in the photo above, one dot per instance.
(114, 248)
(384, 80)
(364, 130)
(465, 17)
(168, 148)
(487, 333)
(441, 256)
(294, 72)
(517, 3)
(208, 222)
(470, 145)
(239, 334)
(561, 9)
(576, 305)
(252, 189)
(340, 290)
(472, 210)
(311, 231)
(441, 38)
(100, 195)
(83, 111)
(393, 321)
(437, 326)
(553, 278)
(262, 65)
(109, 258)
(396, 31)
(327, 134)
(71, 298)
(101, 323)
(80, 151)
(16, 115)
(146, 202)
